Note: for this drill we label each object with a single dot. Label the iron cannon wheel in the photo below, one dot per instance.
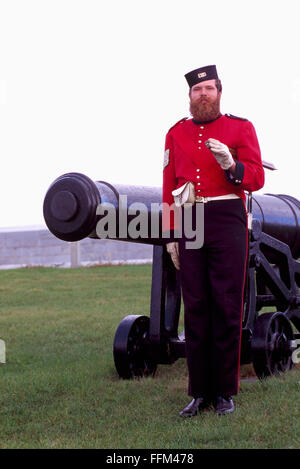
(129, 348)
(271, 344)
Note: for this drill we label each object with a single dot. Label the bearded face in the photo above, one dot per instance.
(205, 100)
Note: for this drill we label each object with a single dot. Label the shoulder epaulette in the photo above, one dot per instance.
(235, 117)
(179, 122)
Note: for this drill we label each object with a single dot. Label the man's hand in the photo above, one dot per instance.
(221, 153)
(173, 250)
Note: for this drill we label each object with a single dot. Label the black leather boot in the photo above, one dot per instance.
(196, 405)
(224, 405)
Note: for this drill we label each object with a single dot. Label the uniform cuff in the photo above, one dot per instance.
(237, 177)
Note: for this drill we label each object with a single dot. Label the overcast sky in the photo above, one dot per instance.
(93, 86)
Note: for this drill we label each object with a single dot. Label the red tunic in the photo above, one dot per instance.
(188, 159)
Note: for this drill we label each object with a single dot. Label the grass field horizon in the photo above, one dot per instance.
(60, 389)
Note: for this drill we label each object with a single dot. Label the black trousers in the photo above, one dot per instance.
(212, 281)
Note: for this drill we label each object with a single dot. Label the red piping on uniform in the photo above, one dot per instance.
(245, 270)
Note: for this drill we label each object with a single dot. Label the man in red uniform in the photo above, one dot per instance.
(220, 155)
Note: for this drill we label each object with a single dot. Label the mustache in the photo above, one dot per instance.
(202, 99)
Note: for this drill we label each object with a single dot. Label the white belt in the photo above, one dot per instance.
(218, 197)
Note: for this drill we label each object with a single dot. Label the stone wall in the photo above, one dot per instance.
(34, 246)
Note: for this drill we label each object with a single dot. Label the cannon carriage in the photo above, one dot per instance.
(73, 207)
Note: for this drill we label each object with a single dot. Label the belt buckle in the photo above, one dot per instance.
(201, 199)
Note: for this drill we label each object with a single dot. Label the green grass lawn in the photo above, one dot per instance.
(59, 387)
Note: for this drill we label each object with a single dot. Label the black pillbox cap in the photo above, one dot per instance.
(201, 74)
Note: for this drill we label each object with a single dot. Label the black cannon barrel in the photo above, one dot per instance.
(71, 202)
(279, 216)
(70, 210)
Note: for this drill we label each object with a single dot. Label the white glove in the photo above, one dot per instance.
(173, 250)
(221, 153)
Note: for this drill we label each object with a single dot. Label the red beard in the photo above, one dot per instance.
(205, 109)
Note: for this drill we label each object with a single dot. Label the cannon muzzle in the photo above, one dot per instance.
(70, 206)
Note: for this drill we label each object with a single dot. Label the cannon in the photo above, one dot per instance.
(74, 205)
